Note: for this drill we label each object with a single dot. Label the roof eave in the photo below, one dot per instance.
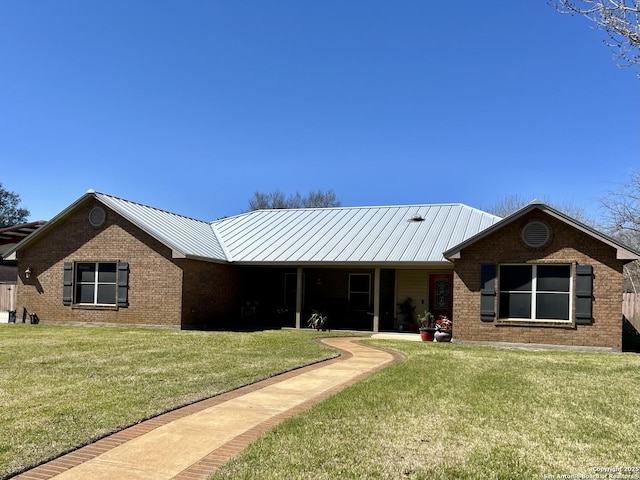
(176, 254)
(307, 264)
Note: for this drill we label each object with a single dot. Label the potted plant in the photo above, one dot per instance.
(444, 327)
(405, 315)
(426, 326)
(317, 321)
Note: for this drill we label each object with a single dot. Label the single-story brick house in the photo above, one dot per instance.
(537, 276)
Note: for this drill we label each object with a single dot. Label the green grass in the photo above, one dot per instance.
(460, 412)
(61, 387)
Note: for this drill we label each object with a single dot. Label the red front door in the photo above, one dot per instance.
(441, 294)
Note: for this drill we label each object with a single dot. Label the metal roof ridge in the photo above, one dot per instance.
(114, 197)
(356, 207)
(223, 245)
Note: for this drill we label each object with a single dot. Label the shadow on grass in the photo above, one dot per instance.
(231, 327)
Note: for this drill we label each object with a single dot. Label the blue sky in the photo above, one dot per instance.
(193, 106)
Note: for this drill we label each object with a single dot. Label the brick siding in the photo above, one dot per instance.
(567, 245)
(211, 293)
(156, 280)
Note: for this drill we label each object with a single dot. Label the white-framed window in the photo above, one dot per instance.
(359, 291)
(535, 292)
(96, 283)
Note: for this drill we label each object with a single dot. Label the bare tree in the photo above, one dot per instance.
(262, 200)
(623, 223)
(278, 200)
(618, 18)
(512, 203)
(320, 199)
(623, 210)
(506, 205)
(10, 213)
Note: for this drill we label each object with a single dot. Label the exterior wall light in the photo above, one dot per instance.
(27, 273)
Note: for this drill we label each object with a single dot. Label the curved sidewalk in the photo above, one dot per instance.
(191, 442)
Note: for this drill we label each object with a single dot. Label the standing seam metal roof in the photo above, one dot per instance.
(188, 236)
(350, 234)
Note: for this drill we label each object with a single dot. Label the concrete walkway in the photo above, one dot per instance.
(190, 443)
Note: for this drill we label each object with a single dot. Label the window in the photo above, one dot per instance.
(96, 283)
(359, 291)
(291, 289)
(535, 292)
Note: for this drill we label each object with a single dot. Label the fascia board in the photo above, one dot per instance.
(454, 252)
(40, 231)
(622, 251)
(444, 264)
(199, 258)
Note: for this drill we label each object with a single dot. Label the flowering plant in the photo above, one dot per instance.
(443, 324)
(317, 321)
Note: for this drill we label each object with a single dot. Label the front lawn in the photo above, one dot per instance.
(460, 412)
(61, 387)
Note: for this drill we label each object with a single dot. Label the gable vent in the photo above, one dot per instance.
(96, 216)
(535, 234)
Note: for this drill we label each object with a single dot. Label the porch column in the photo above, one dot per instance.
(298, 296)
(376, 300)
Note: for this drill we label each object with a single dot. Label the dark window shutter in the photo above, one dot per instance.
(487, 292)
(584, 294)
(123, 284)
(67, 283)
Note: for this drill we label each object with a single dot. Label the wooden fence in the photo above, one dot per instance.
(8, 296)
(631, 309)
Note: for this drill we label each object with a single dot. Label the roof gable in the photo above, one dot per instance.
(186, 237)
(623, 252)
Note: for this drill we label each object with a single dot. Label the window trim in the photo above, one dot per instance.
(534, 291)
(96, 283)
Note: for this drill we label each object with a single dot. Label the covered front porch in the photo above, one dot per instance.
(352, 298)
